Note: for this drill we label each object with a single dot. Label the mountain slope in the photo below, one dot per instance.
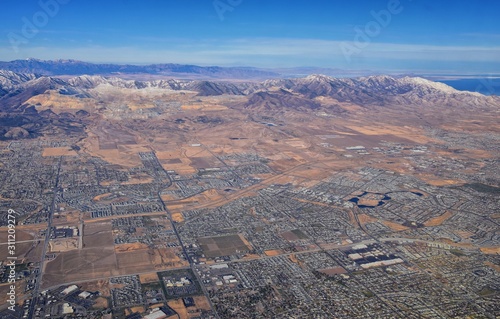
(9, 79)
(32, 105)
(18, 88)
(19, 94)
(385, 90)
(273, 100)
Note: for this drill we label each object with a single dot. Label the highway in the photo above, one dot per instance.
(188, 258)
(39, 277)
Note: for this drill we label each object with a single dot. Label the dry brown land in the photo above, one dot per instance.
(124, 248)
(21, 235)
(293, 258)
(132, 181)
(179, 307)
(97, 259)
(368, 201)
(333, 271)
(97, 235)
(491, 250)
(28, 244)
(201, 303)
(138, 259)
(251, 256)
(57, 102)
(365, 219)
(432, 180)
(78, 265)
(436, 221)
(204, 107)
(273, 252)
(492, 265)
(163, 258)
(394, 226)
(61, 245)
(148, 278)
(207, 196)
(289, 236)
(352, 218)
(223, 245)
(138, 309)
(101, 303)
(58, 151)
(5, 288)
(177, 217)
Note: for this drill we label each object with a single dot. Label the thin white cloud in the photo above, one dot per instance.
(262, 52)
(482, 36)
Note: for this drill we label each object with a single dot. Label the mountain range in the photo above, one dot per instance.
(27, 99)
(167, 70)
(74, 67)
(17, 88)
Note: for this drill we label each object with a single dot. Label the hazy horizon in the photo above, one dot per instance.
(383, 35)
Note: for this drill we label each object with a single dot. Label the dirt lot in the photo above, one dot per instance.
(26, 245)
(207, 196)
(136, 259)
(179, 307)
(163, 258)
(394, 226)
(365, 219)
(200, 302)
(97, 235)
(147, 278)
(123, 248)
(436, 221)
(333, 271)
(5, 288)
(63, 244)
(222, 245)
(491, 250)
(58, 151)
(273, 252)
(78, 265)
(177, 217)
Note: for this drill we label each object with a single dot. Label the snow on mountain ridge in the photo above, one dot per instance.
(436, 85)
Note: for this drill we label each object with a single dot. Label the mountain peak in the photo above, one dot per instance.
(435, 85)
(319, 78)
(378, 78)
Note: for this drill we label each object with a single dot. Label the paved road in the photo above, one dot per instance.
(188, 258)
(38, 278)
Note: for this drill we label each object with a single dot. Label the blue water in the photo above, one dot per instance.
(486, 86)
(355, 200)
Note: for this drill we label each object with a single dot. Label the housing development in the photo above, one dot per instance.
(279, 199)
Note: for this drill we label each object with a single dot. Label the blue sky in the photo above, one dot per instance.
(408, 35)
